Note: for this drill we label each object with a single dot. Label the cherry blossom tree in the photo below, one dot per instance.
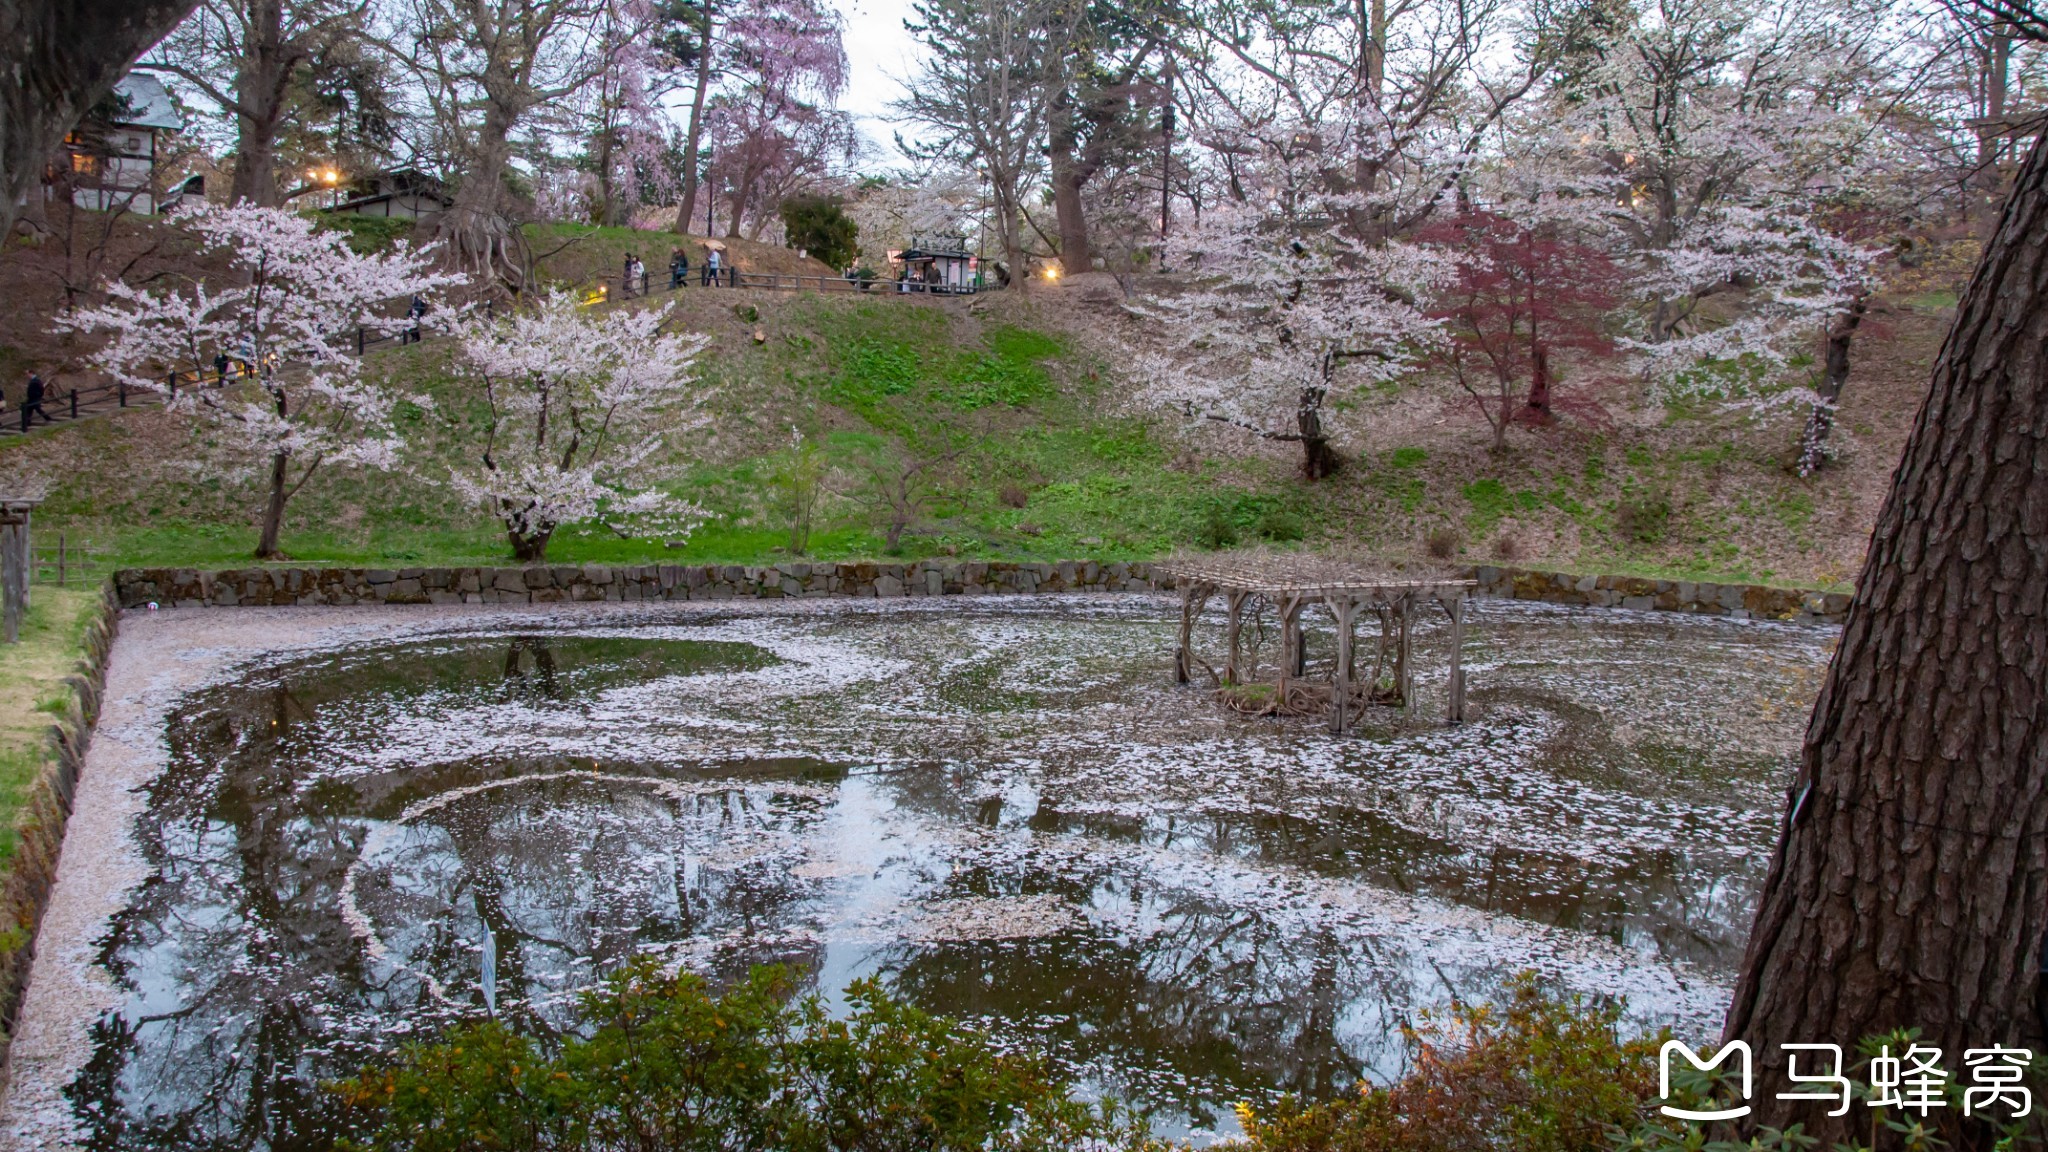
(891, 212)
(581, 409)
(295, 301)
(1721, 135)
(775, 129)
(620, 115)
(1272, 300)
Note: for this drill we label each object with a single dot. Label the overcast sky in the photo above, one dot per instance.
(882, 56)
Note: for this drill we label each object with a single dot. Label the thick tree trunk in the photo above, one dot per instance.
(528, 547)
(1076, 254)
(1319, 461)
(273, 508)
(475, 227)
(58, 60)
(694, 136)
(1910, 886)
(255, 171)
(1539, 383)
(1070, 172)
(736, 208)
(259, 90)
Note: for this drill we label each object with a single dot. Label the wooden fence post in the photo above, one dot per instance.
(15, 566)
(60, 559)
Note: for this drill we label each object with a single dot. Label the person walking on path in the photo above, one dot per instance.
(713, 265)
(32, 404)
(678, 269)
(220, 366)
(415, 312)
(638, 275)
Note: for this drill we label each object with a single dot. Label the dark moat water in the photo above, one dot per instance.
(1002, 808)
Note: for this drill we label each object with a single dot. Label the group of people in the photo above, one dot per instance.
(715, 272)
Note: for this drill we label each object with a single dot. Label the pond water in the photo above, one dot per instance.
(1001, 807)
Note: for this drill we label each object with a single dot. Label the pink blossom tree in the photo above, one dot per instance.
(628, 131)
(1273, 301)
(581, 411)
(295, 301)
(774, 131)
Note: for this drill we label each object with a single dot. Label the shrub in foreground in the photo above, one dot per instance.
(1536, 1073)
(663, 1063)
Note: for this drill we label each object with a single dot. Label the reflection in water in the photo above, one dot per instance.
(1040, 835)
(530, 670)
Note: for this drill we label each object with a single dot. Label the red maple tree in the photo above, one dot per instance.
(1516, 295)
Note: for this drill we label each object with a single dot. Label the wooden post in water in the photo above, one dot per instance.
(15, 565)
(1290, 642)
(1187, 631)
(1404, 672)
(1233, 630)
(1457, 687)
(1346, 610)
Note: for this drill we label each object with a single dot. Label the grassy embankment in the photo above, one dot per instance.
(33, 695)
(1049, 463)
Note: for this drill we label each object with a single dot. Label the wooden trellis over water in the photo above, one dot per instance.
(1290, 584)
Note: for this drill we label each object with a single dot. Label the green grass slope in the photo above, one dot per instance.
(1029, 451)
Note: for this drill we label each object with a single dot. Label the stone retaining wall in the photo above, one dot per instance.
(186, 587)
(183, 587)
(1742, 601)
(39, 827)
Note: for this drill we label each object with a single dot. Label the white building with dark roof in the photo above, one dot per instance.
(109, 161)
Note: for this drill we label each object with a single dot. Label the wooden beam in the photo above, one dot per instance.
(16, 569)
(1233, 630)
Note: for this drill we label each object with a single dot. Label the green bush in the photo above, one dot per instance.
(1643, 518)
(663, 1063)
(820, 226)
(1280, 525)
(1217, 529)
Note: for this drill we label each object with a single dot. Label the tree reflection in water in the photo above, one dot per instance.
(336, 840)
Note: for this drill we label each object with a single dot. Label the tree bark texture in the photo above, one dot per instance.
(262, 75)
(1077, 255)
(58, 59)
(528, 547)
(1910, 885)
